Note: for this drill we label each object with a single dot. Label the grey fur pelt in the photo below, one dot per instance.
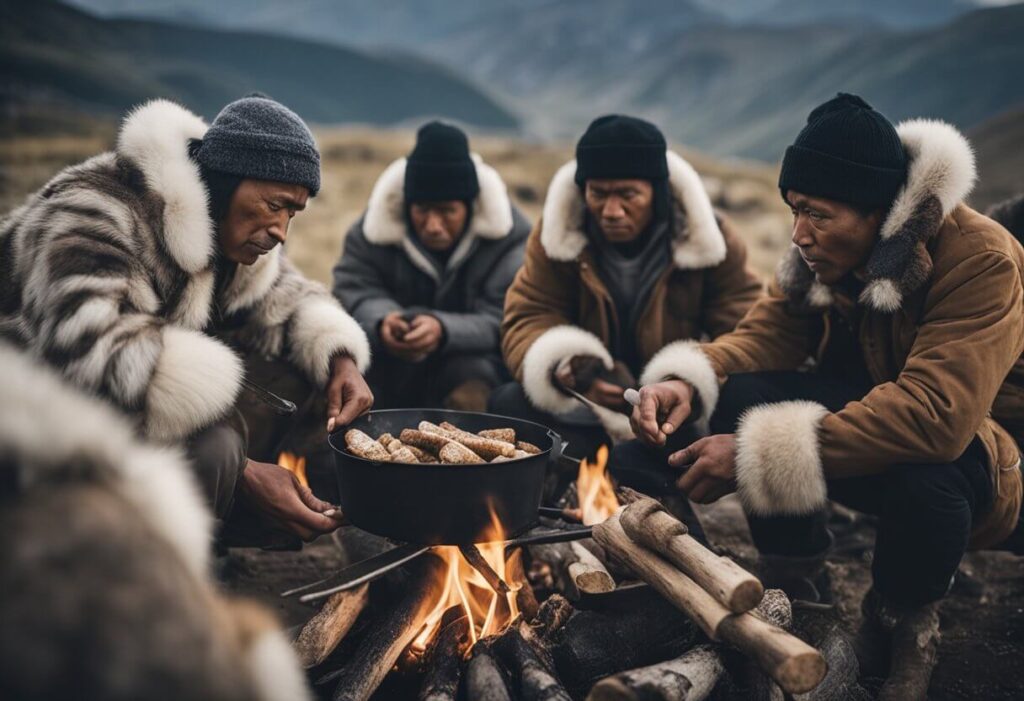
(108, 274)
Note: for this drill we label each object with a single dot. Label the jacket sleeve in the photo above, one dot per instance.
(361, 286)
(97, 320)
(730, 288)
(772, 336)
(538, 330)
(479, 331)
(297, 319)
(971, 334)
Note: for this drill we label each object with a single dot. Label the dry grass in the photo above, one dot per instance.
(353, 158)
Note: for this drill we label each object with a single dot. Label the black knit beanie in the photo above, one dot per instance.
(256, 137)
(440, 169)
(847, 152)
(616, 146)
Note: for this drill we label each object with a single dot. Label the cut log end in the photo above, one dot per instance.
(802, 672)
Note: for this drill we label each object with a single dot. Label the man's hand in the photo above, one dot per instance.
(663, 408)
(711, 471)
(278, 495)
(425, 335)
(348, 397)
(392, 330)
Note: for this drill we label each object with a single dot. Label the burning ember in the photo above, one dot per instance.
(294, 463)
(595, 489)
(488, 611)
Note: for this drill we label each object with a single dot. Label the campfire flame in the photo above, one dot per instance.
(595, 489)
(488, 611)
(295, 464)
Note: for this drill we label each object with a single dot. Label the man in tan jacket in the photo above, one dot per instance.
(909, 308)
(628, 257)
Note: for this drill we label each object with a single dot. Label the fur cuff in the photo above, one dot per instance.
(195, 383)
(684, 360)
(778, 459)
(320, 330)
(547, 351)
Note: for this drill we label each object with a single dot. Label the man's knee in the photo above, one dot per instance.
(927, 492)
(509, 398)
(218, 455)
(739, 393)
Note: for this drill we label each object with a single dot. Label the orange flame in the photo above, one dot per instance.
(595, 489)
(294, 463)
(488, 611)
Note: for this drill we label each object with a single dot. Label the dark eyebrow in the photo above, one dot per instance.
(290, 201)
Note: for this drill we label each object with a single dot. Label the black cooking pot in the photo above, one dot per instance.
(436, 504)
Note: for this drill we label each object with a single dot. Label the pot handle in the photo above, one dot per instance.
(558, 446)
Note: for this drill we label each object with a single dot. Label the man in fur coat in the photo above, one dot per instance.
(628, 257)
(425, 269)
(910, 308)
(106, 574)
(123, 271)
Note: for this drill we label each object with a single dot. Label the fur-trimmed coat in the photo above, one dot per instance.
(106, 562)
(108, 273)
(382, 271)
(942, 334)
(559, 307)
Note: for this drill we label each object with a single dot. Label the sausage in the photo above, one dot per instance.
(508, 435)
(363, 446)
(486, 448)
(457, 454)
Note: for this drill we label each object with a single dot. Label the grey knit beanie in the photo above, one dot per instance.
(256, 137)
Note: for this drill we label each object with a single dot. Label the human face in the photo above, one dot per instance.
(834, 238)
(257, 218)
(438, 225)
(621, 208)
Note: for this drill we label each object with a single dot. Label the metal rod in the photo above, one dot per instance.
(279, 404)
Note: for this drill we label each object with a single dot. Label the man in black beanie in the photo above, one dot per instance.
(425, 270)
(909, 309)
(154, 277)
(629, 258)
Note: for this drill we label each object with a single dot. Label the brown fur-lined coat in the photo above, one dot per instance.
(942, 336)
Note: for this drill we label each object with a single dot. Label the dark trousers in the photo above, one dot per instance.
(583, 439)
(400, 384)
(925, 510)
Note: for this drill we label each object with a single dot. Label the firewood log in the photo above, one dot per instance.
(358, 443)
(690, 677)
(795, 665)
(443, 660)
(324, 631)
(588, 645)
(576, 570)
(648, 523)
(530, 663)
(485, 678)
(391, 634)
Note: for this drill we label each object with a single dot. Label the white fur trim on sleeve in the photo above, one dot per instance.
(778, 458)
(548, 350)
(195, 383)
(320, 330)
(684, 360)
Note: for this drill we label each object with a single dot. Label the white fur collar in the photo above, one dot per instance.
(384, 222)
(698, 242)
(941, 165)
(155, 138)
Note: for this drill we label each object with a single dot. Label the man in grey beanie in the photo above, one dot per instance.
(153, 276)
